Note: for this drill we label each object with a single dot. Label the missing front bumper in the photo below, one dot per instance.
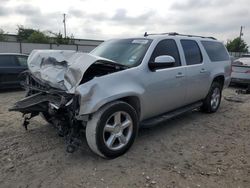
(36, 103)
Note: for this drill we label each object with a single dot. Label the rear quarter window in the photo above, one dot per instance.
(216, 51)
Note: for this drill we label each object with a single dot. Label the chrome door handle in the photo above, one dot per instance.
(179, 75)
(203, 70)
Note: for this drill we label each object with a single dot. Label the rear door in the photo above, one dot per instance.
(197, 71)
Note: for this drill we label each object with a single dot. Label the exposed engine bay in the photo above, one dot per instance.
(51, 83)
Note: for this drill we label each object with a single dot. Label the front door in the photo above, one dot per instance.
(165, 88)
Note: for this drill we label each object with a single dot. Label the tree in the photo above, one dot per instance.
(2, 35)
(237, 45)
(38, 37)
(23, 33)
(59, 39)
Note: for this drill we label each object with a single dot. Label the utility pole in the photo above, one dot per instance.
(64, 24)
(241, 33)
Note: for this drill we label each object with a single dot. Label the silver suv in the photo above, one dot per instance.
(122, 85)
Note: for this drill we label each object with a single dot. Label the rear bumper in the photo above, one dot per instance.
(240, 81)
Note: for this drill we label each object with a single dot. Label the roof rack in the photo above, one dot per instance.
(174, 34)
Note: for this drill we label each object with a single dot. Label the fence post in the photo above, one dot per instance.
(20, 47)
(76, 47)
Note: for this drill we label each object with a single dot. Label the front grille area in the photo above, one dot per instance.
(33, 84)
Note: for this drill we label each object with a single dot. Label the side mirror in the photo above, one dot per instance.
(161, 62)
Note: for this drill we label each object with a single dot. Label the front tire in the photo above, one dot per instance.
(112, 129)
(213, 99)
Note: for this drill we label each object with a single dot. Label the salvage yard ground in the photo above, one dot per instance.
(193, 150)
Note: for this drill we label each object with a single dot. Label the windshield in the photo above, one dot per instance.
(129, 52)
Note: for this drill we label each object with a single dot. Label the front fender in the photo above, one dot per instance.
(101, 91)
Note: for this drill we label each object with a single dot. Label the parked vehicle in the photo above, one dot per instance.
(245, 55)
(124, 84)
(11, 65)
(241, 71)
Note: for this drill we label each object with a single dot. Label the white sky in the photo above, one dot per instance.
(104, 19)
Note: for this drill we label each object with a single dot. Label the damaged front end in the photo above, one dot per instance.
(51, 84)
(56, 106)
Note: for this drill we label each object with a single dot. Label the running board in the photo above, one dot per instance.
(161, 118)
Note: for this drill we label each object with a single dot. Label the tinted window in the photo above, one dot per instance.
(167, 47)
(192, 52)
(216, 51)
(22, 60)
(7, 61)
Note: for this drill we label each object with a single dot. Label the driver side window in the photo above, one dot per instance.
(167, 47)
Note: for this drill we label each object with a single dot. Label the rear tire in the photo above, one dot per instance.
(112, 129)
(213, 99)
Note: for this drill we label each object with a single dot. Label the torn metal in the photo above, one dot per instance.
(51, 84)
(64, 70)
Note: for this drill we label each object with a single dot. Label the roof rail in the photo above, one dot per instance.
(174, 34)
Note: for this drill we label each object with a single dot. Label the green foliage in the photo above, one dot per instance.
(24, 33)
(2, 35)
(60, 40)
(237, 45)
(38, 37)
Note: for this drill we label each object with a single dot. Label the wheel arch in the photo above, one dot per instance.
(132, 100)
(220, 79)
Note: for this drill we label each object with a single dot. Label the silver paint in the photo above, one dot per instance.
(157, 92)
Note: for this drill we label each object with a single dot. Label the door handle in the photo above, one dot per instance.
(203, 70)
(179, 75)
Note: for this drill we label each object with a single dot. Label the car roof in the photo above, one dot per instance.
(14, 54)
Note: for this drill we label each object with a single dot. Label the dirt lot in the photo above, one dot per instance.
(194, 150)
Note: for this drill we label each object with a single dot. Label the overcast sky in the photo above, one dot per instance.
(105, 19)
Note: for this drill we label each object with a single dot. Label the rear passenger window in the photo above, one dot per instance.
(167, 47)
(7, 61)
(216, 51)
(192, 52)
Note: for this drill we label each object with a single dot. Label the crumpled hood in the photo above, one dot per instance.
(62, 69)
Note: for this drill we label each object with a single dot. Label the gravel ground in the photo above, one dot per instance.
(193, 150)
